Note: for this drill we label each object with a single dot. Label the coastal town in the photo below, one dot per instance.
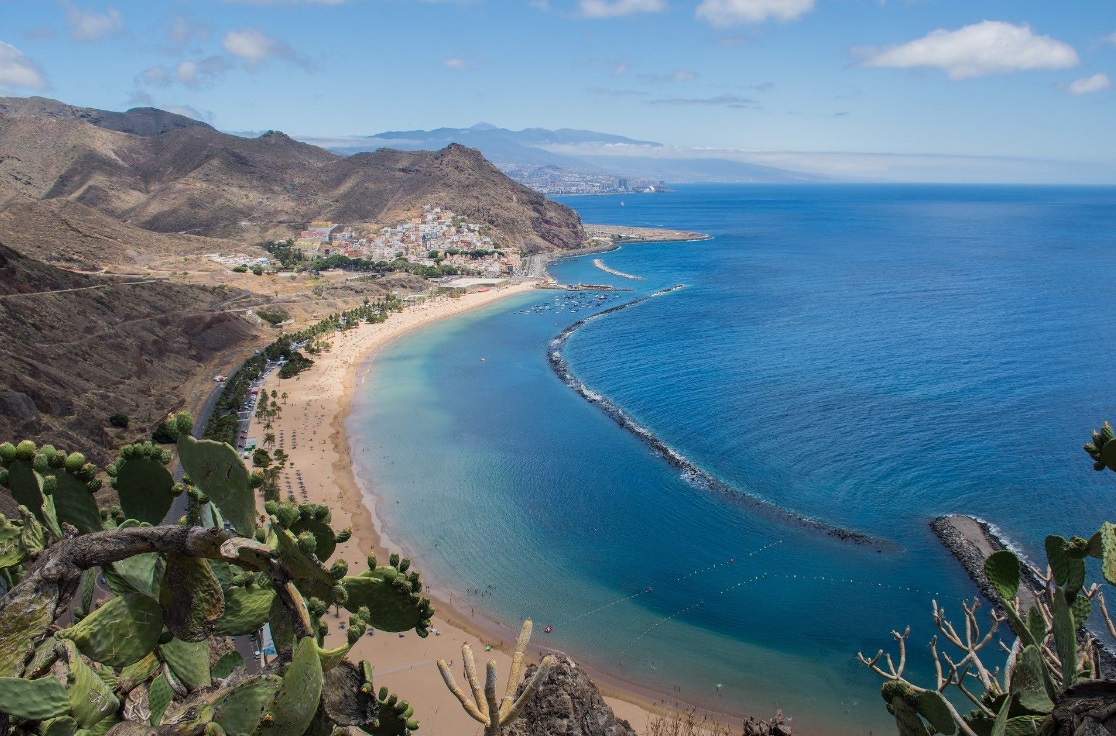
(437, 242)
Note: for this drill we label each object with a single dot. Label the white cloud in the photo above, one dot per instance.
(1088, 85)
(254, 47)
(616, 8)
(91, 26)
(18, 71)
(1110, 38)
(733, 12)
(988, 47)
(455, 63)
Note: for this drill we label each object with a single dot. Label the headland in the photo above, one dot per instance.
(625, 234)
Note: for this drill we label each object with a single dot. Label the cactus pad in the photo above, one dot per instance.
(391, 599)
(1002, 570)
(91, 700)
(239, 711)
(188, 661)
(228, 663)
(33, 700)
(142, 482)
(293, 706)
(348, 697)
(218, 471)
(25, 618)
(191, 598)
(1030, 681)
(122, 631)
(73, 499)
(395, 717)
(1065, 638)
(246, 610)
(159, 696)
(12, 550)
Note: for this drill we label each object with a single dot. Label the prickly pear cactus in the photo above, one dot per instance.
(246, 610)
(122, 631)
(219, 473)
(390, 597)
(33, 700)
(1101, 449)
(191, 598)
(294, 704)
(142, 482)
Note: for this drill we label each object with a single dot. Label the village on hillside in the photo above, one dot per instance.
(437, 243)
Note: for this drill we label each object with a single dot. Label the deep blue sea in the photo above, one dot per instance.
(868, 355)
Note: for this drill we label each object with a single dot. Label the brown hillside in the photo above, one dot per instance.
(70, 359)
(196, 179)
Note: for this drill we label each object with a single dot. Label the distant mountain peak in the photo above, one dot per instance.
(484, 126)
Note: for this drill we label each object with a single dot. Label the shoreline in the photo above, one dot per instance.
(406, 664)
(313, 430)
(629, 234)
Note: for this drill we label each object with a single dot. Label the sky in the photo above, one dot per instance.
(1028, 81)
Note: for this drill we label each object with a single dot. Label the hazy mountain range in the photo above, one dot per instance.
(573, 150)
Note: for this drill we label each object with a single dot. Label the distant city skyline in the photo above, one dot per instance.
(831, 86)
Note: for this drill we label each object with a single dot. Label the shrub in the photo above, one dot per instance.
(119, 420)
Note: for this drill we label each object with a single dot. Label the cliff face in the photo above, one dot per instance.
(567, 704)
(169, 174)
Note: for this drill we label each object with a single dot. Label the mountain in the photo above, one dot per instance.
(576, 151)
(177, 175)
(145, 121)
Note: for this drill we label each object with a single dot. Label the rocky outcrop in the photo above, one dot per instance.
(567, 704)
(1086, 709)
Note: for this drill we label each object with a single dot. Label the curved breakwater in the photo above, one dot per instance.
(693, 474)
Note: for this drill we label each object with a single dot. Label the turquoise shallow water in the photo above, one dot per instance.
(869, 356)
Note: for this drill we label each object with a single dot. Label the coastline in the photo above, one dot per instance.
(312, 430)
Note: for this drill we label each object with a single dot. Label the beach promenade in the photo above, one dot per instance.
(311, 430)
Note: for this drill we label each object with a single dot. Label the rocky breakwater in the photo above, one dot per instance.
(971, 540)
(694, 474)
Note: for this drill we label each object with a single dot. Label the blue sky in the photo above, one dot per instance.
(1020, 79)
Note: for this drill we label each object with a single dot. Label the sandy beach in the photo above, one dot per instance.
(311, 430)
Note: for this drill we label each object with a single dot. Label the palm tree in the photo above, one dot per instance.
(269, 439)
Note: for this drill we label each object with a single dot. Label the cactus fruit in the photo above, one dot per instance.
(191, 598)
(309, 574)
(188, 661)
(218, 471)
(395, 717)
(293, 706)
(122, 631)
(239, 711)
(1101, 449)
(324, 537)
(246, 610)
(33, 700)
(145, 487)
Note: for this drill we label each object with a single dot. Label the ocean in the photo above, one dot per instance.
(866, 356)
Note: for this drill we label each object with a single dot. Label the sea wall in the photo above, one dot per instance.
(689, 470)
